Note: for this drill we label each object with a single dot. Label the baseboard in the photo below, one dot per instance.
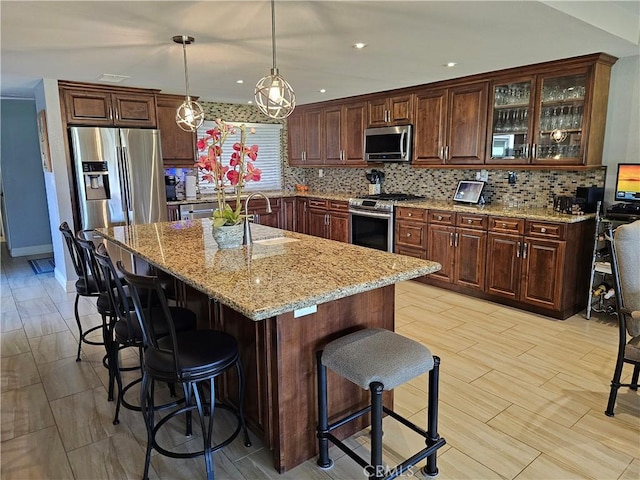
(69, 286)
(33, 250)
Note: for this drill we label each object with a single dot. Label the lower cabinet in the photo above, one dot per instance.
(328, 219)
(288, 214)
(258, 208)
(173, 213)
(527, 263)
(302, 215)
(411, 232)
(460, 250)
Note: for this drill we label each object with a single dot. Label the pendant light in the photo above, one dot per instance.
(189, 115)
(274, 95)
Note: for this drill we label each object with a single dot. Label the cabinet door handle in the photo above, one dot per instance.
(518, 250)
(534, 150)
(504, 225)
(524, 250)
(409, 214)
(110, 113)
(543, 230)
(456, 241)
(446, 152)
(441, 153)
(470, 221)
(326, 219)
(451, 239)
(526, 150)
(439, 217)
(408, 234)
(256, 218)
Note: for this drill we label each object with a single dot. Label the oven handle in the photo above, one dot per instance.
(365, 213)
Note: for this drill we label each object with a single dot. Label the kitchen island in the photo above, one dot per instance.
(284, 297)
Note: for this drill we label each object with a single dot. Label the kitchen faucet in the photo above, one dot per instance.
(247, 229)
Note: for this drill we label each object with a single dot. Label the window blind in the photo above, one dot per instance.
(267, 137)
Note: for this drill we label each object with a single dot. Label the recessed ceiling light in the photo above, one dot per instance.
(111, 78)
(322, 90)
(239, 81)
(450, 64)
(359, 45)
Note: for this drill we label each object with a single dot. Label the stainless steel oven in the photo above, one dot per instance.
(371, 220)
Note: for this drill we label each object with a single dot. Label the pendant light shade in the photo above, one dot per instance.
(189, 115)
(274, 96)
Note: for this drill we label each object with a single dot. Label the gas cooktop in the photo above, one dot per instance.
(398, 197)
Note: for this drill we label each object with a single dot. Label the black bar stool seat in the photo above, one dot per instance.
(376, 359)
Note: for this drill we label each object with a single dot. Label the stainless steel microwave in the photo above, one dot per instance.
(388, 144)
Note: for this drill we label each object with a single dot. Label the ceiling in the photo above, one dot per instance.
(408, 42)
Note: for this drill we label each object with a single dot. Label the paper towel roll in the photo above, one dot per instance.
(190, 186)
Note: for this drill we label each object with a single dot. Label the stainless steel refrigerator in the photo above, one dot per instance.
(119, 176)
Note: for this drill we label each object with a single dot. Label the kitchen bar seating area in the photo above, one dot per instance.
(521, 396)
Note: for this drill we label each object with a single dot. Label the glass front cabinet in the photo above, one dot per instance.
(538, 119)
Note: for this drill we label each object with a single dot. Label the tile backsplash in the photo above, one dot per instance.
(532, 187)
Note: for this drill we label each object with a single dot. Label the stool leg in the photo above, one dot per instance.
(431, 468)
(188, 390)
(634, 378)
(115, 361)
(206, 431)
(323, 417)
(377, 469)
(75, 311)
(241, 385)
(146, 405)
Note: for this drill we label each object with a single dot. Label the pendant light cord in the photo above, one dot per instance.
(273, 32)
(186, 72)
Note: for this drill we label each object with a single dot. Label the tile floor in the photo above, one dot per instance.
(522, 396)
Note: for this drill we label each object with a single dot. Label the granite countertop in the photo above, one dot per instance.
(281, 272)
(542, 214)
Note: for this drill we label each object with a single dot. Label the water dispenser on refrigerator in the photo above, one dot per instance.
(96, 180)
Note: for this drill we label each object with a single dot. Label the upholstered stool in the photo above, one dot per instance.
(377, 360)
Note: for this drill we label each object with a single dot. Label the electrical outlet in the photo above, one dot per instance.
(513, 176)
(484, 175)
(320, 172)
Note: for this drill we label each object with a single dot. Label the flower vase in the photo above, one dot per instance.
(229, 236)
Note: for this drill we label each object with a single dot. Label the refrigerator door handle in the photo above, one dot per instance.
(123, 181)
(127, 184)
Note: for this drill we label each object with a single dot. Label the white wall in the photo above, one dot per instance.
(622, 135)
(58, 189)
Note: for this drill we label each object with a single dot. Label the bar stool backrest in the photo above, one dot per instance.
(88, 249)
(117, 291)
(142, 289)
(624, 243)
(77, 256)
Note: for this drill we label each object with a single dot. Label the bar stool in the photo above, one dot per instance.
(191, 358)
(377, 360)
(86, 285)
(125, 330)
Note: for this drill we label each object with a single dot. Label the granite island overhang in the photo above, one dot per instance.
(283, 297)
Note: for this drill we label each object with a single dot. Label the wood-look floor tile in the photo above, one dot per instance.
(551, 405)
(13, 343)
(505, 454)
(578, 451)
(513, 366)
(259, 465)
(422, 289)
(53, 347)
(37, 306)
(614, 432)
(632, 472)
(38, 455)
(548, 468)
(24, 410)
(469, 303)
(459, 367)
(428, 319)
(434, 339)
(455, 465)
(488, 321)
(66, 377)
(414, 299)
(490, 341)
(115, 457)
(18, 371)
(9, 320)
(44, 325)
(84, 418)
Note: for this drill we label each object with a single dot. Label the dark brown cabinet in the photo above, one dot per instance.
(450, 125)
(328, 219)
(288, 214)
(302, 215)
(390, 110)
(411, 232)
(91, 106)
(344, 126)
(178, 146)
(258, 208)
(458, 242)
(305, 137)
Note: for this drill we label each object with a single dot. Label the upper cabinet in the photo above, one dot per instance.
(390, 110)
(85, 104)
(178, 146)
(553, 116)
(305, 136)
(450, 125)
(344, 126)
(546, 115)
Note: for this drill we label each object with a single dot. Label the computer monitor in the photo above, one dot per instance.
(627, 183)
